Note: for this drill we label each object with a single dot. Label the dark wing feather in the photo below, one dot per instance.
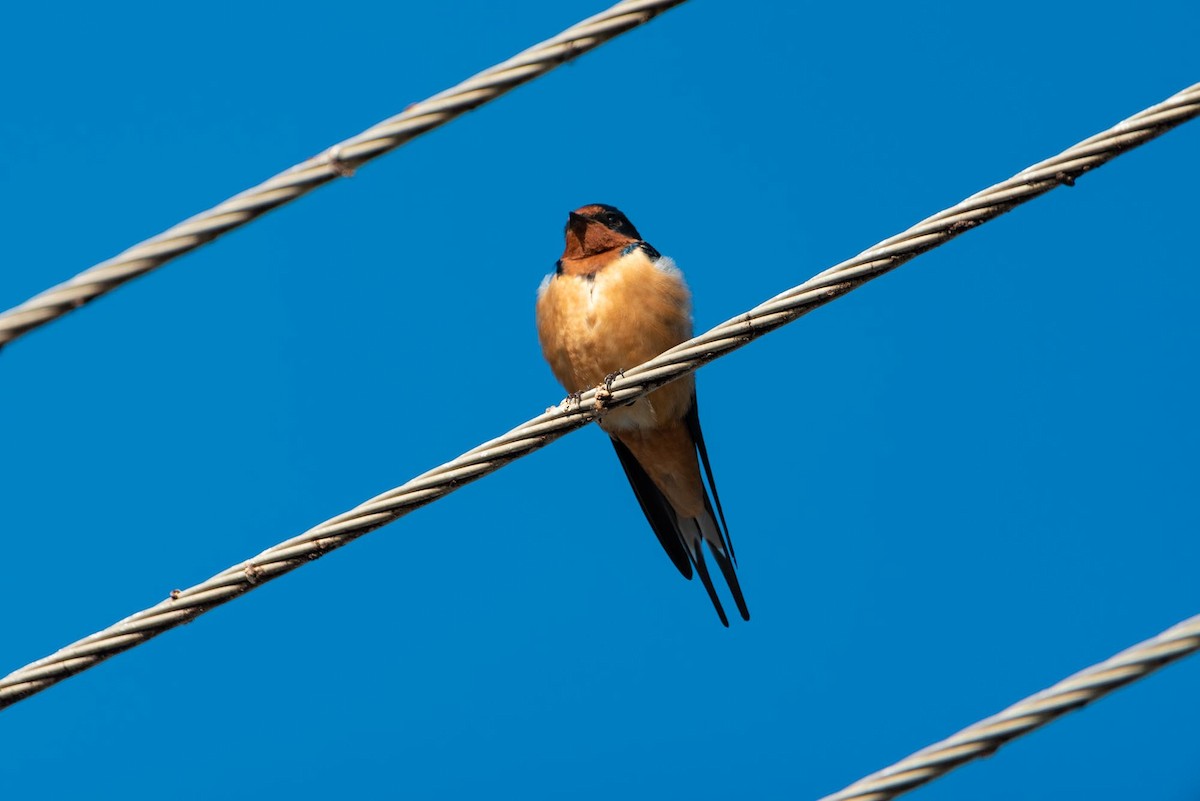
(693, 424)
(657, 510)
(726, 561)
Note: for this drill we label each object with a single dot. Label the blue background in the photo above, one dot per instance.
(948, 490)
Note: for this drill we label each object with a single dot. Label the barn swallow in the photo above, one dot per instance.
(614, 302)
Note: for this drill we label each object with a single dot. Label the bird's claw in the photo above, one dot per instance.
(572, 399)
(604, 390)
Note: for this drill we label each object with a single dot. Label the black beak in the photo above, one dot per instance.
(577, 224)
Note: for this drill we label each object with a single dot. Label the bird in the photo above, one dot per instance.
(612, 302)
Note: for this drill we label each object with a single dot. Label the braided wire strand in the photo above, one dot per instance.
(185, 605)
(338, 161)
(983, 738)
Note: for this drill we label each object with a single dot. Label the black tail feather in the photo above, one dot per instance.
(727, 570)
(706, 580)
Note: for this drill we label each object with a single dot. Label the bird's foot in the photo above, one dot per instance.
(567, 404)
(604, 390)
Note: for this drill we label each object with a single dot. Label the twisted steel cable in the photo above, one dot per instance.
(185, 605)
(983, 738)
(338, 161)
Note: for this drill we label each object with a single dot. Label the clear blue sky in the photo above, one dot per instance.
(948, 490)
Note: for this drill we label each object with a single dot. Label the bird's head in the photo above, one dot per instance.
(595, 229)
